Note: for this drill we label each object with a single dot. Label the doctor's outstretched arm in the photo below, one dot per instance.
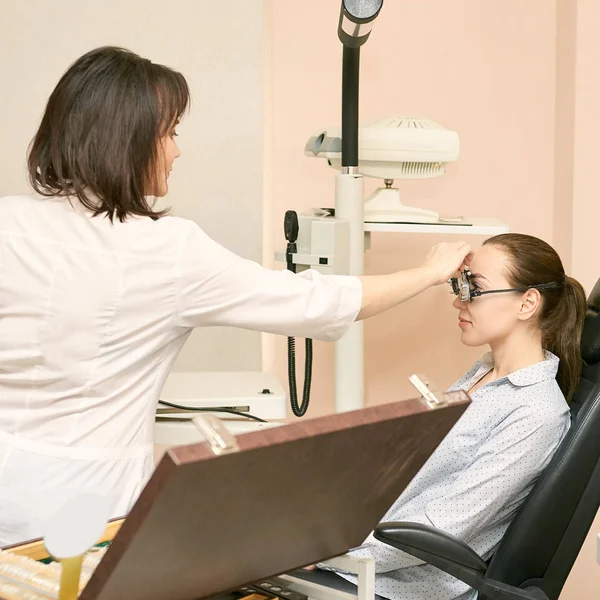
(382, 292)
(215, 287)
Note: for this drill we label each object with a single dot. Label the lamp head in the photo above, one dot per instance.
(356, 21)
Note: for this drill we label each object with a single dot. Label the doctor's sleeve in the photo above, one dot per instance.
(217, 287)
(504, 466)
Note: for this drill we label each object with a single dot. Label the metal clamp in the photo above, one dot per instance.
(427, 394)
(217, 435)
(433, 398)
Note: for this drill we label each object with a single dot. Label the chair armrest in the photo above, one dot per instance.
(451, 555)
(427, 543)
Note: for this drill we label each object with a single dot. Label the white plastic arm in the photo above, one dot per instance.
(363, 567)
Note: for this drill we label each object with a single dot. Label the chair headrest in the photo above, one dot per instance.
(590, 340)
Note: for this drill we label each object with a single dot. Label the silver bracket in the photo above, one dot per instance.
(434, 399)
(221, 440)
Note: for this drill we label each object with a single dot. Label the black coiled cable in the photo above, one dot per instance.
(290, 227)
(299, 411)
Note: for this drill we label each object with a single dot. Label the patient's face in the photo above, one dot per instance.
(491, 318)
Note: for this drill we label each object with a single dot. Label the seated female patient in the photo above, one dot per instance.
(531, 315)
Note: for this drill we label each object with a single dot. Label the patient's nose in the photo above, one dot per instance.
(458, 303)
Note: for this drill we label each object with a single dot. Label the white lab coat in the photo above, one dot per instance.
(92, 316)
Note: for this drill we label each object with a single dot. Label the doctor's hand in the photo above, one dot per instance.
(382, 292)
(445, 259)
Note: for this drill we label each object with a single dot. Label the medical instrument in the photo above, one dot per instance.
(396, 147)
(347, 235)
(355, 24)
(462, 286)
(290, 228)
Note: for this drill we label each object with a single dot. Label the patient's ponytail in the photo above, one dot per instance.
(562, 314)
(562, 335)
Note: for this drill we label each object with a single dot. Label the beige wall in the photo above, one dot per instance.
(586, 118)
(579, 23)
(218, 179)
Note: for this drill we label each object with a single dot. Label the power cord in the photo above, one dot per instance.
(230, 411)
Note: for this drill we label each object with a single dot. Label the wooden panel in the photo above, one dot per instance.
(290, 496)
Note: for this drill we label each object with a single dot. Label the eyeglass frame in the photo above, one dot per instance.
(467, 293)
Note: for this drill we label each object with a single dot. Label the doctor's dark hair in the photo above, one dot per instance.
(99, 136)
(532, 261)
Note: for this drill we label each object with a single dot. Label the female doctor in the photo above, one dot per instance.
(98, 291)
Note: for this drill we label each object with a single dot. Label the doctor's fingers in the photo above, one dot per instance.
(445, 259)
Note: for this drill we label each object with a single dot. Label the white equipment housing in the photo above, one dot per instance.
(322, 243)
(393, 148)
(254, 392)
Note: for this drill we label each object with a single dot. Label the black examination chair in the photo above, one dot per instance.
(539, 548)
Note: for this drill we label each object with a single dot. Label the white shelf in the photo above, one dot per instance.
(469, 227)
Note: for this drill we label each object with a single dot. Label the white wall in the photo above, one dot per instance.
(218, 179)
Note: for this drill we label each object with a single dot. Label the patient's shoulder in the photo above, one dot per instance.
(532, 394)
(540, 407)
(543, 397)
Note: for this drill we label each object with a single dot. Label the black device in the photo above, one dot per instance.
(290, 227)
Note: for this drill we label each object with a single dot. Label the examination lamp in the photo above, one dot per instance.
(356, 21)
(355, 24)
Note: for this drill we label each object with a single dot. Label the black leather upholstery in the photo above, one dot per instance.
(590, 350)
(540, 546)
(431, 540)
(543, 541)
(590, 340)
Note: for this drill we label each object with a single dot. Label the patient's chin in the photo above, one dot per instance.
(470, 338)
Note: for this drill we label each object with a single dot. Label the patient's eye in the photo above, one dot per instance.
(474, 280)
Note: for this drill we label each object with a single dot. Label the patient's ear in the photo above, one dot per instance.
(531, 301)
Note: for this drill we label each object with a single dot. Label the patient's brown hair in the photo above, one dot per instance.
(533, 261)
(98, 138)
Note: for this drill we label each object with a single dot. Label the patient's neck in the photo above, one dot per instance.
(520, 350)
